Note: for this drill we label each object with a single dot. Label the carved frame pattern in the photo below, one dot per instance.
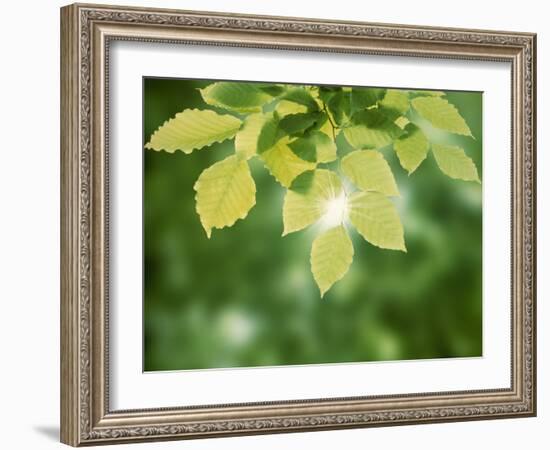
(86, 33)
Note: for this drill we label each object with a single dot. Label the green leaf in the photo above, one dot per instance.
(307, 199)
(441, 114)
(453, 162)
(372, 129)
(286, 107)
(395, 103)
(373, 118)
(301, 96)
(376, 219)
(411, 148)
(258, 134)
(193, 129)
(331, 257)
(283, 164)
(314, 92)
(269, 133)
(297, 123)
(369, 171)
(272, 89)
(363, 98)
(325, 93)
(304, 148)
(225, 193)
(236, 96)
(315, 147)
(339, 106)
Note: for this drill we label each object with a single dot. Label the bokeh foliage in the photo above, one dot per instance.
(246, 297)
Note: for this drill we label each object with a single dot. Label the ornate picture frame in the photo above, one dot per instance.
(87, 31)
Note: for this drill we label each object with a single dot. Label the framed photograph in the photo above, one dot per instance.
(276, 224)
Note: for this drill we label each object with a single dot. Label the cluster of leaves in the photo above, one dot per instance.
(294, 130)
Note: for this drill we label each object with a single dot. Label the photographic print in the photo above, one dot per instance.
(275, 224)
(290, 224)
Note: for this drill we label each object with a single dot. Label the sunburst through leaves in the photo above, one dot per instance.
(297, 133)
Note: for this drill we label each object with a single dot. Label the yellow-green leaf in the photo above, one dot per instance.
(426, 93)
(236, 96)
(376, 219)
(369, 171)
(327, 129)
(411, 148)
(325, 146)
(395, 102)
(308, 198)
(401, 122)
(331, 256)
(246, 140)
(225, 193)
(193, 129)
(258, 134)
(283, 164)
(286, 107)
(453, 162)
(301, 96)
(441, 114)
(359, 136)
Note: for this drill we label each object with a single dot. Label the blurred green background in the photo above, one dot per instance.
(247, 297)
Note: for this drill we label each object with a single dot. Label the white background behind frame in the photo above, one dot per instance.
(130, 388)
(29, 233)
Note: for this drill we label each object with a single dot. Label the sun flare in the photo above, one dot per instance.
(336, 211)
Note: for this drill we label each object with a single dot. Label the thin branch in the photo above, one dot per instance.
(330, 120)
